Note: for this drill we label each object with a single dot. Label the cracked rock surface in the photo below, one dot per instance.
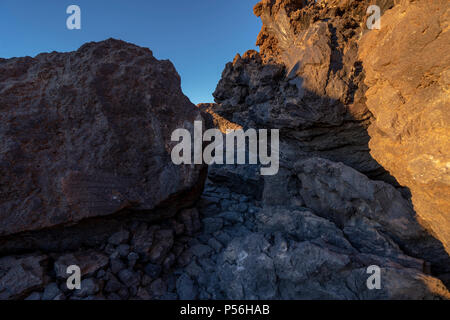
(361, 180)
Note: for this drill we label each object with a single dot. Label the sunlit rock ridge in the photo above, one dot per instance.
(363, 177)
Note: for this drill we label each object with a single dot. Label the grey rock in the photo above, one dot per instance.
(34, 296)
(88, 287)
(129, 278)
(132, 256)
(186, 288)
(169, 261)
(89, 261)
(60, 296)
(20, 276)
(101, 274)
(123, 293)
(164, 240)
(116, 152)
(143, 239)
(51, 291)
(114, 296)
(190, 219)
(123, 250)
(222, 237)
(153, 270)
(143, 294)
(193, 270)
(170, 296)
(146, 280)
(119, 237)
(158, 288)
(201, 250)
(232, 216)
(216, 245)
(345, 196)
(117, 265)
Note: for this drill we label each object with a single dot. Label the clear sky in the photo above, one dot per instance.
(198, 36)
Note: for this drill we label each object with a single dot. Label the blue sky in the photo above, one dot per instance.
(198, 36)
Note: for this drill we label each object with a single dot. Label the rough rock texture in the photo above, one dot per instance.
(87, 174)
(135, 262)
(309, 232)
(407, 72)
(87, 134)
(249, 249)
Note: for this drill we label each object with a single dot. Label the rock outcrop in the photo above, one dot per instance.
(408, 77)
(87, 134)
(306, 81)
(309, 81)
(362, 123)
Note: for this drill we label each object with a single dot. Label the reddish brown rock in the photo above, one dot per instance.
(87, 133)
(407, 72)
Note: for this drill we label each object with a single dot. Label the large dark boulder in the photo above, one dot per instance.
(87, 133)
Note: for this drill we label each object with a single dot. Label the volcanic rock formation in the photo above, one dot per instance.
(408, 78)
(87, 133)
(363, 176)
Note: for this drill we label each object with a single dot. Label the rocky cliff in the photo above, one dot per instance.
(362, 180)
(87, 134)
(86, 157)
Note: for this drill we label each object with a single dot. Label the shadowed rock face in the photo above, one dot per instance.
(87, 133)
(308, 80)
(309, 232)
(407, 72)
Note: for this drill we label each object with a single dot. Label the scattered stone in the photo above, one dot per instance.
(89, 287)
(110, 157)
(164, 242)
(117, 265)
(216, 245)
(158, 288)
(112, 285)
(201, 250)
(123, 250)
(212, 225)
(101, 274)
